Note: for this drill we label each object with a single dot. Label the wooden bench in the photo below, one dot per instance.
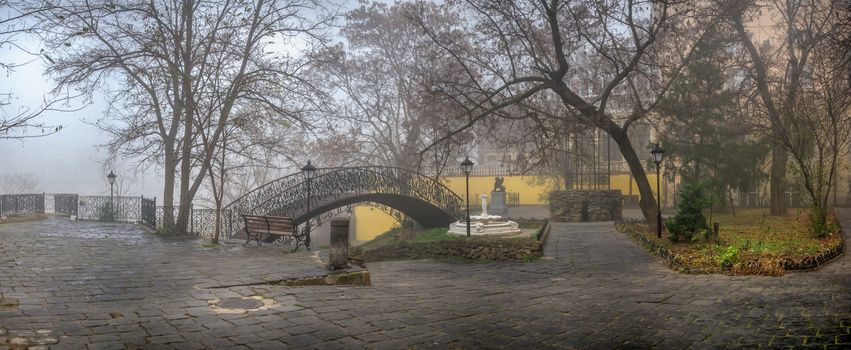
(274, 227)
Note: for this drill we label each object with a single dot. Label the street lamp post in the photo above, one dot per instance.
(467, 166)
(657, 153)
(111, 177)
(309, 171)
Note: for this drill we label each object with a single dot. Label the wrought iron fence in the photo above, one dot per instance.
(106, 208)
(65, 204)
(166, 218)
(200, 222)
(513, 199)
(21, 204)
(149, 212)
(487, 170)
(203, 222)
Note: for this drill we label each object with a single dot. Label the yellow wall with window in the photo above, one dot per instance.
(370, 222)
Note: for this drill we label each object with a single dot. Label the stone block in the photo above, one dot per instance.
(586, 205)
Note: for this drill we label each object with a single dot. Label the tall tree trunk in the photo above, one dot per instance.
(185, 178)
(776, 186)
(647, 203)
(732, 204)
(220, 193)
(188, 118)
(168, 188)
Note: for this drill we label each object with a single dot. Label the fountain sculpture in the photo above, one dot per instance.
(485, 224)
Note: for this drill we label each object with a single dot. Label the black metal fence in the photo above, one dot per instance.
(65, 204)
(200, 222)
(488, 170)
(203, 222)
(149, 212)
(513, 199)
(21, 204)
(106, 208)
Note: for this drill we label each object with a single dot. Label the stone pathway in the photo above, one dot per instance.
(76, 285)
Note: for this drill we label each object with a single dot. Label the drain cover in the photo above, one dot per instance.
(240, 303)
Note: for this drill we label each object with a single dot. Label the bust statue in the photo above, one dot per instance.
(498, 184)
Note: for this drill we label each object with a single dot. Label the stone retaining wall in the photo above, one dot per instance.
(586, 205)
(476, 248)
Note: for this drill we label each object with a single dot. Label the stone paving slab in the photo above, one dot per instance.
(76, 285)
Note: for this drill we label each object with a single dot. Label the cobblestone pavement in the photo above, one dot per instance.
(74, 285)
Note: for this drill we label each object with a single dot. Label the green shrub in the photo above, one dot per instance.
(821, 222)
(689, 220)
(727, 257)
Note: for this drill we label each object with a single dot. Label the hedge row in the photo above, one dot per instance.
(475, 248)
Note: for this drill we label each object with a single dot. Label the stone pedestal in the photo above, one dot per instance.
(338, 253)
(497, 203)
(586, 205)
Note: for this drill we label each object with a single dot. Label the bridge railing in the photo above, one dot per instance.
(287, 196)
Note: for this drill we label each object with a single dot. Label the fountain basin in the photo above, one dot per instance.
(485, 228)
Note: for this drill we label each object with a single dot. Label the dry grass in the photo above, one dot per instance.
(761, 242)
(761, 234)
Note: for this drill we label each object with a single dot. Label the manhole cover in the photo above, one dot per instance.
(239, 303)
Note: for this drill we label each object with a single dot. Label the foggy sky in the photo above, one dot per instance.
(69, 161)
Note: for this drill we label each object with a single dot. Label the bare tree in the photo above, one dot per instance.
(817, 132)
(522, 49)
(386, 76)
(778, 66)
(167, 66)
(18, 183)
(18, 121)
(244, 156)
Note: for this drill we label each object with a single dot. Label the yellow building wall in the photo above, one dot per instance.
(371, 222)
(532, 189)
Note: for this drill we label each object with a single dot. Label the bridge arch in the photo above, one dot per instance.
(422, 198)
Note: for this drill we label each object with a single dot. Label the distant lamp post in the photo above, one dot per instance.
(111, 177)
(467, 166)
(658, 153)
(309, 171)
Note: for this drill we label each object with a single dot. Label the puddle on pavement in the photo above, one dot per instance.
(253, 303)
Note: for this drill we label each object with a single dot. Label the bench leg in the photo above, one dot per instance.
(255, 237)
(303, 240)
(307, 242)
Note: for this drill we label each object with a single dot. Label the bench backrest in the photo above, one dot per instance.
(269, 224)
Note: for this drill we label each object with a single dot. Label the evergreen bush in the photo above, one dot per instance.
(693, 199)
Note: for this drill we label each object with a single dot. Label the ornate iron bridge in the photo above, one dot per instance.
(422, 198)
